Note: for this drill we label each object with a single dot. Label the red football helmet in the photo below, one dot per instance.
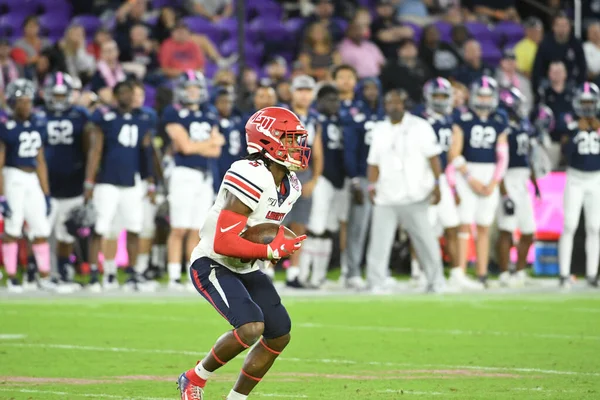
(280, 134)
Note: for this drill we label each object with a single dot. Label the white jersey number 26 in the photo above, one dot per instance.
(587, 143)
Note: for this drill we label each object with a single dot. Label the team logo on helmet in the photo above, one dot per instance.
(263, 123)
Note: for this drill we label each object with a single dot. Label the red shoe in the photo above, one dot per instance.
(188, 390)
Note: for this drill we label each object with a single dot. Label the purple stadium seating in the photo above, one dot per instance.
(165, 3)
(203, 26)
(444, 28)
(55, 7)
(50, 25)
(10, 25)
(293, 25)
(7, 6)
(150, 95)
(342, 23)
(490, 53)
(479, 31)
(228, 27)
(265, 9)
(416, 28)
(90, 23)
(508, 32)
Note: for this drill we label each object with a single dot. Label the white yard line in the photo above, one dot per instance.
(12, 336)
(303, 360)
(445, 331)
(413, 392)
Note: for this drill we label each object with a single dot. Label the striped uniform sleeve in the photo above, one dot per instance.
(244, 185)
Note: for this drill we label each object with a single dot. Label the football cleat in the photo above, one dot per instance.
(592, 282)
(176, 286)
(14, 286)
(358, 283)
(188, 390)
(110, 282)
(564, 282)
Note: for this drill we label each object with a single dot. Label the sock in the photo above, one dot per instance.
(323, 247)
(306, 259)
(565, 250)
(343, 263)
(415, 269)
(31, 269)
(63, 268)
(159, 252)
(457, 271)
(110, 267)
(291, 273)
(142, 263)
(233, 395)
(592, 254)
(482, 278)
(174, 270)
(10, 252)
(41, 252)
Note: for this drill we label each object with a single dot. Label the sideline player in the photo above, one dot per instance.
(438, 94)
(479, 154)
(358, 135)
(516, 210)
(328, 205)
(256, 190)
(193, 130)
(66, 150)
(121, 149)
(24, 189)
(303, 87)
(582, 150)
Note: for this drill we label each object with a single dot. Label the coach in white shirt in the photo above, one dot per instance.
(403, 173)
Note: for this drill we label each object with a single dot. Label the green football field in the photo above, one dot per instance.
(477, 346)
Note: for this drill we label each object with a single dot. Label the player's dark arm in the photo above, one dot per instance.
(157, 157)
(534, 181)
(148, 152)
(316, 155)
(42, 171)
(94, 154)
(502, 187)
(2, 161)
(86, 141)
(182, 143)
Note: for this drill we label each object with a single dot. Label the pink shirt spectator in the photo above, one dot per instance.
(365, 57)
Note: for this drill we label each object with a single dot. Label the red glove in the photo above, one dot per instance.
(282, 247)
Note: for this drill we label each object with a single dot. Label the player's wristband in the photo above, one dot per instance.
(88, 185)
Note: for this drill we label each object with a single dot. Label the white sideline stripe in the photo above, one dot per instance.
(97, 395)
(444, 331)
(303, 360)
(532, 308)
(110, 396)
(12, 336)
(213, 279)
(415, 392)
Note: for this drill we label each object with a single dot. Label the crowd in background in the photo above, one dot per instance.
(401, 44)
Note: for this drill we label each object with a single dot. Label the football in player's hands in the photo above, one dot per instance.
(265, 233)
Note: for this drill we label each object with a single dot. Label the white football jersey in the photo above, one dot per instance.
(252, 183)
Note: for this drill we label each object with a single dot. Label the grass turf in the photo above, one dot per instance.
(480, 346)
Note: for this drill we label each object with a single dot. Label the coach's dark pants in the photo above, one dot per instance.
(241, 298)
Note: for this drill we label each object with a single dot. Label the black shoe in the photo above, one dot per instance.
(295, 284)
(592, 282)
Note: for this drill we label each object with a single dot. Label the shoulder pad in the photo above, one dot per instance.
(322, 118)
(572, 125)
(224, 123)
(110, 115)
(466, 116)
(254, 172)
(11, 124)
(183, 112)
(360, 117)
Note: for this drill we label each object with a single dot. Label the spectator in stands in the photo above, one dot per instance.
(323, 13)
(264, 96)
(413, 10)
(140, 49)
(100, 37)
(560, 45)
(38, 72)
(27, 49)
(284, 92)
(508, 76)
(387, 33)
(408, 72)
(276, 70)
(74, 59)
(213, 10)
(9, 70)
(591, 48)
(131, 13)
(318, 53)
(440, 56)
(246, 90)
(180, 53)
(473, 67)
(360, 53)
(527, 47)
(557, 93)
(167, 19)
(496, 10)
(108, 73)
(459, 35)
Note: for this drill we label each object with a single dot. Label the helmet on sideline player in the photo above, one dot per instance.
(512, 100)
(81, 220)
(186, 81)
(58, 91)
(279, 134)
(19, 88)
(438, 95)
(586, 101)
(483, 94)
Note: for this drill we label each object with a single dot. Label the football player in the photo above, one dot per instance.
(516, 209)
(345, 79)
(438, 94)
(479, 155)
(324, 219)
(582, 150)
(357, 131)
(262, 188)
(303, 87)
(194, 131)
(121, 150)
(65, 151)
(24, 189)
